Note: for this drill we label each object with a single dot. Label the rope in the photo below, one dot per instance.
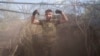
(43, 3)
(14, 11)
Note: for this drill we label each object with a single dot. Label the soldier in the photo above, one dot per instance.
(50, 23)
(42, 41)
(49, 28)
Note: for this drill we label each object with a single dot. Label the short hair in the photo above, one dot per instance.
(48, 10)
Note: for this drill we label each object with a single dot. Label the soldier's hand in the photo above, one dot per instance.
(58, 12)
(35, 12)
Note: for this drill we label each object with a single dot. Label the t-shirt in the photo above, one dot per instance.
(49, 31)
(49, 27)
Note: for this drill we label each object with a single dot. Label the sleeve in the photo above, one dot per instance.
(41, 22)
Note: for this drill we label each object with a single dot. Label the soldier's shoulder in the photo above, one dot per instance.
(42, 20)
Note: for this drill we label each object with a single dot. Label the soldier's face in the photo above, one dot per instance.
(49, 15)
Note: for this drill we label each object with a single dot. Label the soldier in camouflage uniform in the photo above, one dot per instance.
(43, 35)
(49, 28)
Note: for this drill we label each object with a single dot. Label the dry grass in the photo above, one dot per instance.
(69, 41)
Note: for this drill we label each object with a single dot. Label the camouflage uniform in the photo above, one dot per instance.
(49, 34)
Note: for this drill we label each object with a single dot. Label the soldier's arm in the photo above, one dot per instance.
(64, 17)
(33, 17)
(34, 20)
